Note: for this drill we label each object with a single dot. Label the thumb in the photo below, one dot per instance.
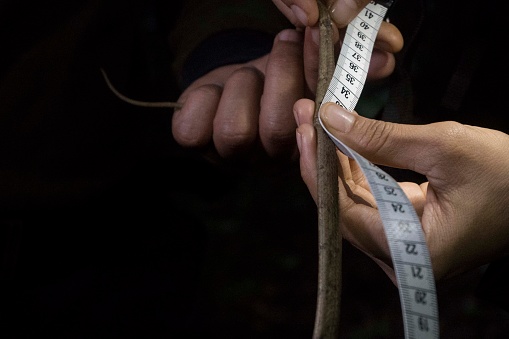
(384, 143)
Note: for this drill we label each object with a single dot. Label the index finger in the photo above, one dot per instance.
(284, 85)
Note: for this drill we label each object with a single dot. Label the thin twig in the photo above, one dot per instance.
(329, 236)
(162, 104)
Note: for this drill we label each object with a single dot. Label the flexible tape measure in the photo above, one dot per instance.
(409, 252)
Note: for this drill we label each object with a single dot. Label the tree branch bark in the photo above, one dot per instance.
(329, 237)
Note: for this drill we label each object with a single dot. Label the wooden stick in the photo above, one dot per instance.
(329, 236)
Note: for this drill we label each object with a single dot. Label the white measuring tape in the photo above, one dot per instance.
(409, 252)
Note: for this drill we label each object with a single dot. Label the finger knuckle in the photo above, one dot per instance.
(453, 137)
(246, 73)
(206, 91)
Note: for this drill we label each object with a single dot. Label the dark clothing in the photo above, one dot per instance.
(451, 61)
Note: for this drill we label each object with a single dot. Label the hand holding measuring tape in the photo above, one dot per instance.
(463, 212)
(462, 207)
(404, 235)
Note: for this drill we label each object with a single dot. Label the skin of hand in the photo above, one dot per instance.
(245, 110)
(463, 205)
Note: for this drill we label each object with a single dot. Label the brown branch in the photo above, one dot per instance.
(329, 236)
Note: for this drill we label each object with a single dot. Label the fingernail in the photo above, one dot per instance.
(300, 14)
(290, 35)
(338, 118)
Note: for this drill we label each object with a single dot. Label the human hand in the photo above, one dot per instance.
(462, 206)
(245, 110)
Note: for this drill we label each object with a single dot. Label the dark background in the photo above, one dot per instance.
(110, 230)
